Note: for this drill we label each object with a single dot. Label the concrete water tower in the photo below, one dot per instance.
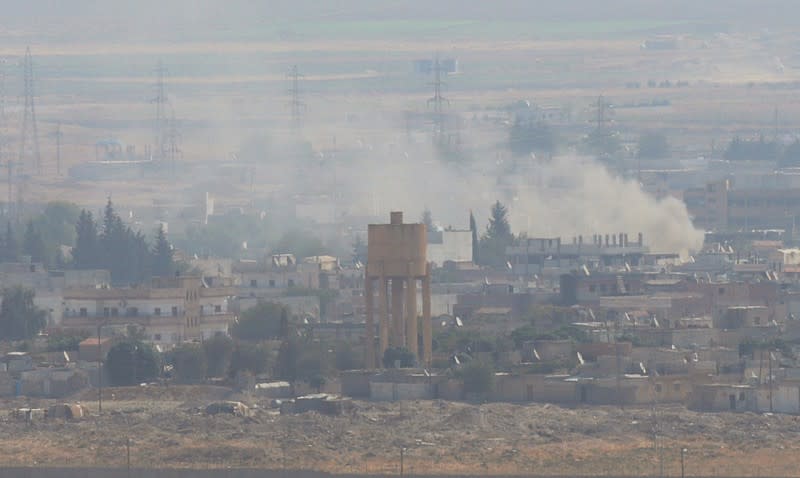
(396, 264)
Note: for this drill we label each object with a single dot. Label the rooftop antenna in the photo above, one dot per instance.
(29, 143)
(297, 105)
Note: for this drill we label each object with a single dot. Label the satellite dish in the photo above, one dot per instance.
(459, 323)
(455, 360)
(536, 354)
(580, 358)
(508, 264)
(641, 367)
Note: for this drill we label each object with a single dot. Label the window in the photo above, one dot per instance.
(157, 337)
(217, 309)
(157, 312)
(741, 396)
(592, 288)
(757, 320)
(721, 291)
(658, 388)
(106, 312)
(84, 312)
(132, 312)
(114, 312)
(254, 283)
(201, 309)
(174, 311)
(676, 387)
(291, 282)
(272, 283)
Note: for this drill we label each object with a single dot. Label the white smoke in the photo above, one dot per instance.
(566, 197)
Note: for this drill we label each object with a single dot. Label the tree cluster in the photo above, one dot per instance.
(20, 319)
(753, 150)
(532, 137)
(132, 362)
(116, 247)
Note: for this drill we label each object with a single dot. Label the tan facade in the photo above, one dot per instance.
(169, 310)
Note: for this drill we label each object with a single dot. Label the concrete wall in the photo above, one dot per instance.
(390, 391)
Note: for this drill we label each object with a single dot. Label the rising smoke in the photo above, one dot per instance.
(567, 196)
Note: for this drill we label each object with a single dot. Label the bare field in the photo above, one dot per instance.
(168, 429)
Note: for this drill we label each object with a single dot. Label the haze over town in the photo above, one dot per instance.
(473, 238)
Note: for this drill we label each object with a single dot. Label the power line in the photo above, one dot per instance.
(29, 128)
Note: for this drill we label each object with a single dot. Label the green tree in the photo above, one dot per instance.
(523, 334)
(65, 341)
(262, 322)
(33, 245)
(10, 245)
(85, 254)
(478, 378)
(19, 317)
(132, 361)
(250, 357)
(497, 237)
(652, 145)
(218, 351)
(473, 227)
(56, 224)
(288, 359)
(346, 358)
(393, 355)
(163, 263)
(190, 363)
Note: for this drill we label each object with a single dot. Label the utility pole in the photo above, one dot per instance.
(683, 470)
(128, 454)
(402, 453)
(99, 372)
(29, 128)
(770, 381)
(298, 107)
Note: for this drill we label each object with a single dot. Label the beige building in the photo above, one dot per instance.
(169, 309)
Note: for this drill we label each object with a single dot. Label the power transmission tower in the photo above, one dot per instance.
(30, 133)
(602, 113)
(161, 119)
(173, 151)
(58, 135)
(297, 105)
(438, 101)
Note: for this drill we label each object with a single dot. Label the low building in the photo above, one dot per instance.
(168, 309)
